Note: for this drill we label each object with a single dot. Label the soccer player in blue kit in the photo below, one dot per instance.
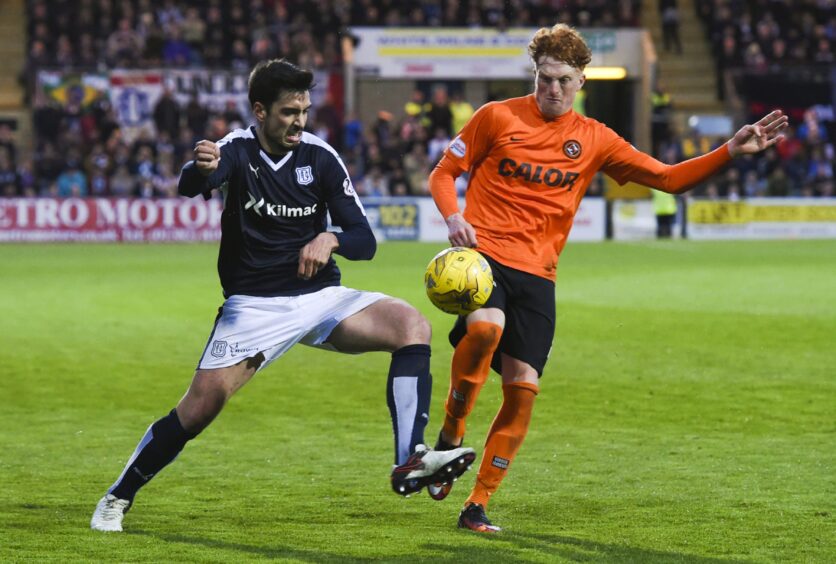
(281, 287)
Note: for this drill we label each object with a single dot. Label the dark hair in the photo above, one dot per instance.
(270, 79)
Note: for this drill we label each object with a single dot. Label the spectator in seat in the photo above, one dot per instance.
(417, 168)
(8, 175)
(374, 183)
(7, 142)
(778, 185)
(124, 45)
(670, 25)
(72, 182)
(122, 182)
(438, 114)
(462, 111)
(197, 117)
(176, 52)
(437, 144)
(167, 113)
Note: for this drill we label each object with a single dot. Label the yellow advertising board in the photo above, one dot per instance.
(744, 212)
(763, 218)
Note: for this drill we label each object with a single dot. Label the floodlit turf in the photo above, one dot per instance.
(687, 415)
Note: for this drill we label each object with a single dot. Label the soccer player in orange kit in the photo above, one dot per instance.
(530, 161)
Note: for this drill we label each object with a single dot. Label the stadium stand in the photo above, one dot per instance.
(386, 155)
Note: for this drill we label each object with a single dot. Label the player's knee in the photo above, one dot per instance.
(484, 336)
(415, 329)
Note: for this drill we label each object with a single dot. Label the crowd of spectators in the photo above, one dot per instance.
(83, 150)
(760, 35)
(216, 33)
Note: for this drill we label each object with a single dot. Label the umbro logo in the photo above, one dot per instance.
(254, 169)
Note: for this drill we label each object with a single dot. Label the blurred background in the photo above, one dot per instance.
(105, 99)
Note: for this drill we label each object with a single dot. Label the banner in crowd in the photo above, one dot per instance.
(460, 53)
(763, 218)
(70, 89)
(109, 220)
(134, 93)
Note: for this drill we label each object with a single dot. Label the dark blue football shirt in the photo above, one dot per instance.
(273, 206)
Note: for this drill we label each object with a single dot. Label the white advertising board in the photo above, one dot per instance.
(634, 220)
(477, 53)
(589, 225)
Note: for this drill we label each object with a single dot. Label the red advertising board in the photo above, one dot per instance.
(109, 219)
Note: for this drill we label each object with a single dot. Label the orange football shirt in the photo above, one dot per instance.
(528, 175)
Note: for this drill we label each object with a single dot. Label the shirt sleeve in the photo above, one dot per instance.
(192, 182)
(625, 163)
(356, 241)
(468, 148)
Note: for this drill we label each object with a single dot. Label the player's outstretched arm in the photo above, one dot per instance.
(626, 163)
(758, 136)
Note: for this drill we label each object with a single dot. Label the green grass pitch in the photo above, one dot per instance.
(688, 414)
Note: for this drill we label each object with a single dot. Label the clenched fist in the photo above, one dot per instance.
(207, 155)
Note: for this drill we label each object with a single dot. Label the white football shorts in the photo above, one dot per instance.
(248, 325)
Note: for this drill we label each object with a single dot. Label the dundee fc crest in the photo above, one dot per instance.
(304, 175)
(218, 349)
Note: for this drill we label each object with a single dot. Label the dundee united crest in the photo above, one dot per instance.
(572, 149)
(304, 175)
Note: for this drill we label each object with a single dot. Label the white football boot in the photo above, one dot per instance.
(109, 514)
(427, 466)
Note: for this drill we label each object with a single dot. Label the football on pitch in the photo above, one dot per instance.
(458, 280)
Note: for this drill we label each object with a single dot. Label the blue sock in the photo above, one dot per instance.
(160, 445)
(408, 391)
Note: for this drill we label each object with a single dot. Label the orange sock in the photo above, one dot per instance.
(471, 365)
(507, 432)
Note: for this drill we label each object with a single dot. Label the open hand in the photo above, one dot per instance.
(756, 137)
